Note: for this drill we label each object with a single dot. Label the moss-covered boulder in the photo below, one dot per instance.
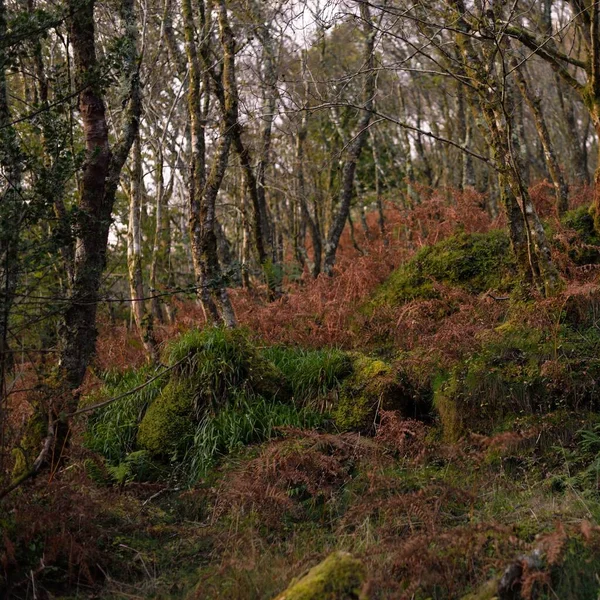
(169, 421)
(215, 366)
(372, 385)
(475, 262)
(338, 577)
(584, 246)
(519, 371)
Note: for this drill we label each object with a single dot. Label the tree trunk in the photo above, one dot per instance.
(99, 183)
(355, 147)
(11, 215)
(143, 319)
(534, 102)
(204, 189)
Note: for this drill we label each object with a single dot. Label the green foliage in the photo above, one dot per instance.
(112, 430)
(338, 577)
(137, 465)
(218, 360)
(245, 421)
(577, 577)
(519, 370)
(476, 262)
(587, 249)
(310, 373)
(224, 393)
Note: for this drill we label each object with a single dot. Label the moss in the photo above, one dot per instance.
(217, 367)
(372, 385)
(476, 262)
(585, 248)
(29, 446)
(168, 425)
(488, 591)
(338, 577)
(519, 371)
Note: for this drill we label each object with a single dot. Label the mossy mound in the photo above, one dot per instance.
(216, 366)
(585, 248)
(169, 422)
(373, 385)
(476, 262)
(218, 361)
(519, 371)
(338, 577)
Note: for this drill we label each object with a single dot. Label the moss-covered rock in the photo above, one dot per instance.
(372, 385)
(338, 577)
(216, 365)
(488, 591)
(29, 446)
(476, 262)
(168, 424)
(519, 371)
(583, 249)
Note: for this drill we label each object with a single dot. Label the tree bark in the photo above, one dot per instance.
(99, 182)
(355, 147)
(561, 189)
(143, 319)
(205, 188)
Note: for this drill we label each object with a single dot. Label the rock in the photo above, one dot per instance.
(338, 577)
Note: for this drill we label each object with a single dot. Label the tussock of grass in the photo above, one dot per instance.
(310, 373)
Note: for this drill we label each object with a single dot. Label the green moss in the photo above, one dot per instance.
(373, 385)
(476, 262)
(217, 366)
(29, 446)
(338, 577)
(519, 371)
(585, 249)
(168, 424)
(488, 591)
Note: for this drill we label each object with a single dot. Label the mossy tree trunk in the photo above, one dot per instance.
(204, 187)
(586, 21)
(533, 100)
(160, 268)
(494, 96)
(143, 319)
(11, 213)
(355, 146)
(307, 219)
(99, 182)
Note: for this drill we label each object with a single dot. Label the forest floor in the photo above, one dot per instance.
(422, 425)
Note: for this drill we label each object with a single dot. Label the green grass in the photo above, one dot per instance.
(112, 430)
(245, 421)
(310, 373)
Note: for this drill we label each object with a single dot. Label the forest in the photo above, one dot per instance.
(299, 299)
